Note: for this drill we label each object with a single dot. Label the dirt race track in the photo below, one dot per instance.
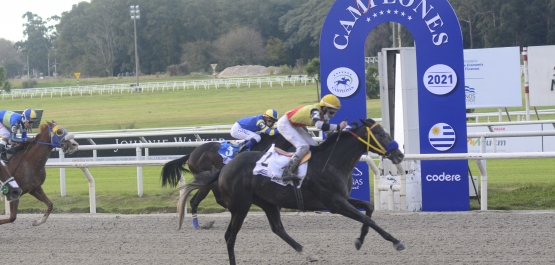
(478, 237)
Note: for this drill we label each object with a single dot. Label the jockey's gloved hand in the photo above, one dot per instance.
(30, 139)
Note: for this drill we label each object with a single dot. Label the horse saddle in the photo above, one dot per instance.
(290, 154)
(273, 162)
(228, 150)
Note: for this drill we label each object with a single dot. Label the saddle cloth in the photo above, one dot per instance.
(272, 164)
(228, 150)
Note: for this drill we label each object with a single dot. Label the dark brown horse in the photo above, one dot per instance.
(205, 158)
(326, 186)
(28, 165)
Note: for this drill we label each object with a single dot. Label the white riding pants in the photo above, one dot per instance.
(243, 134)
(297, 136)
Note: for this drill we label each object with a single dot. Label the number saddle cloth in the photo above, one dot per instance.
(274, 161)
(228, 150)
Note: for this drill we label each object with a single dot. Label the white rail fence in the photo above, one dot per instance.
(291, 80)
(145, 160)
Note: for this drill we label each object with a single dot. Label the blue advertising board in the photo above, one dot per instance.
(441, 95)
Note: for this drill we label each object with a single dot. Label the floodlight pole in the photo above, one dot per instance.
(135, 14)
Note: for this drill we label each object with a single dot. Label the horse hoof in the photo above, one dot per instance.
(358, 244)
(399, 246)
(195, 223)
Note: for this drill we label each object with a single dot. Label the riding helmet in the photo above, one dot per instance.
(271, 114)
(330, 101)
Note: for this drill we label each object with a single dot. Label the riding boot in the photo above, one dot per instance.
(13, 150)
(290, 168)
(247, 145)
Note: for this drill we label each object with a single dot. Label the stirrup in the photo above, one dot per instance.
(242, 148)
(291, 177)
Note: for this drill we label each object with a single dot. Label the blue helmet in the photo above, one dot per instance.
(29, 115)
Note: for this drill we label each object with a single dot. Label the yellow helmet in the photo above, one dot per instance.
(29, 115)
(330, 101)
(271, 115)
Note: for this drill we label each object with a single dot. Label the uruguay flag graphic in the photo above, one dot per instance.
(442, 136)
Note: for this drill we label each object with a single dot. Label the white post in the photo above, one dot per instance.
(139, 173)
(62, 175)
(483, 176)
(92, 190)
(403, 188)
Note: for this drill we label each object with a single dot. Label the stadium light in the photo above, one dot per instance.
(136, 14)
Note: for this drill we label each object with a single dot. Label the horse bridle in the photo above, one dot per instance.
(379, 148)
(55, 138)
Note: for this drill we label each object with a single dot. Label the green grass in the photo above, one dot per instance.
(512, 184)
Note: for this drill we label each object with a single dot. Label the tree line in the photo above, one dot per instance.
(97, 38)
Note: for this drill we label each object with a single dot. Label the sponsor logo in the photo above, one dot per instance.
(443, 177)
(408, 10)
(470, 94)
(342, 82)
(442, 136)
(476, 142)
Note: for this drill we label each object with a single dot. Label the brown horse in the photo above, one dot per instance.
(28, 165)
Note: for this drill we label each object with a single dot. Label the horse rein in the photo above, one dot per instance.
(379, 148)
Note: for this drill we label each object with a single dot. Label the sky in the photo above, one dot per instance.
(11, 11)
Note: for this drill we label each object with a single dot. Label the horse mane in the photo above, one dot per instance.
(42, 128)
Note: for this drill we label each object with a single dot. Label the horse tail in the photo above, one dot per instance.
(202, 179)
(171, 172)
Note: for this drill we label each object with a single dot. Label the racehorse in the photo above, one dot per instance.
(326, 186)
(28, 165)
(205, 158)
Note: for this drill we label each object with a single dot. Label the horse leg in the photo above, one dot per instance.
(195, 201)
(341, 206)
(218, 196)
(274, 217)
(369, 209)
(13, 213)
(237, 218)
(41, 196)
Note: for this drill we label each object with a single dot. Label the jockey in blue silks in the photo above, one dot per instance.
(248, 128)
(10, 124)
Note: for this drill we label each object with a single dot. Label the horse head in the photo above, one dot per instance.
(8, 185)
(379, 141)
(60, 138)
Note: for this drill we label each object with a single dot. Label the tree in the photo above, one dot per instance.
(4, 83)
(242, 46)
(38, 43)
(199, 54)
(103, 37)
(372, 82)
(303, 28)
(9, 59)
(313, 70)
(277, 54)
